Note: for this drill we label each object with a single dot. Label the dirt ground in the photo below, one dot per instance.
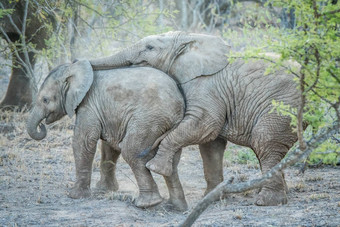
(35, 177)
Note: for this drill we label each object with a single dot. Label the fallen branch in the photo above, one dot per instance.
(226, 187)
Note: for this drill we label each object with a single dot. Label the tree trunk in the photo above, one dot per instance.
(21, 27)
(73, 33)
(19, 92)
(184, 11)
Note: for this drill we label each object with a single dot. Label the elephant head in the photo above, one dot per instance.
(60, 94)
(183, 56)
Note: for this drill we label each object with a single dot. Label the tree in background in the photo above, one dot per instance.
(306, 32)
(61, 31)
(25, 32)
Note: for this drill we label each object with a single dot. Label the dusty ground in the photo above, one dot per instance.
(35, 177)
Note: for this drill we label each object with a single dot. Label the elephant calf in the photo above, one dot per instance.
(129, 113)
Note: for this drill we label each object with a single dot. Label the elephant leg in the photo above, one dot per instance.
(273, 193)
(192, 130)
(176, 193)
(84, 149)
(212, 156)
(108, 180)
(148, 190)
(271, 144)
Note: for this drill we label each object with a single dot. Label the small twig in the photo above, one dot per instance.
(331, 12)
(25, 60)
(24, 45)
(303, 168)
(90, 8)
(318, 63)
(316, 165)
(271, 61)
(328, 152)
(335, 139)
(11, 20)
(301, 107)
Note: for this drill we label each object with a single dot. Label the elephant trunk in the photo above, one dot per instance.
(117, 60)
(36, 116)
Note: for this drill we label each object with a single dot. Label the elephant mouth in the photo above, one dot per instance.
(51, 117)
(48, 119)
(142, 64)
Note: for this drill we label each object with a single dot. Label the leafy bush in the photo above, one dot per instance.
(309, 50)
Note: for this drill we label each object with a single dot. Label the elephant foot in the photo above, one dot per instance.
(269, 197)
(161, 165)
(177, 204)
(78, 193)
(148, 199)
(106, 185)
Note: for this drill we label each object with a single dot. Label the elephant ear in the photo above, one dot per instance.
(79, 78)
(204, 55)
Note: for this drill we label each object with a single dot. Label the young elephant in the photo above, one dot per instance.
(128, 113)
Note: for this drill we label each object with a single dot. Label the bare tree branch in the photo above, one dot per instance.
(330, 12)
(25, 63)
(11, 20)
(302, 143)
(25, 49)
(333, 75)
(318, 65)
(268, 59)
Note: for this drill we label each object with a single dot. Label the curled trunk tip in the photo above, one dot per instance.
(38, 134)
(34, 122)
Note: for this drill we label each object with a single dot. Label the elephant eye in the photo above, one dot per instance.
(149, 47)
(45, 100)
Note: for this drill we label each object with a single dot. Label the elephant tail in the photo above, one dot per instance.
(155, 144)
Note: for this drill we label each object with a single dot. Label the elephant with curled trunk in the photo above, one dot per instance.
(225, 102)
(128, 109)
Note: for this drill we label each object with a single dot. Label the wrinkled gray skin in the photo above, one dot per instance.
(225, 102)
(129, 117)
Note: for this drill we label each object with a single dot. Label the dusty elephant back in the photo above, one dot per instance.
(143, 87)
(142, 101)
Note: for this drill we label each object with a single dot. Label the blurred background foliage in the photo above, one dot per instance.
(302, 31)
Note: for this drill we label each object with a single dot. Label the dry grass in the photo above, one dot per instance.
(249, 193)
(319, 196)
(121, 196)
(243, 177)
(17, 148)
(299, 186)
(238, 214)
(314, 178)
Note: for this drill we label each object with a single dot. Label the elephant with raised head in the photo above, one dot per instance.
(127, 113)
(224, 102)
